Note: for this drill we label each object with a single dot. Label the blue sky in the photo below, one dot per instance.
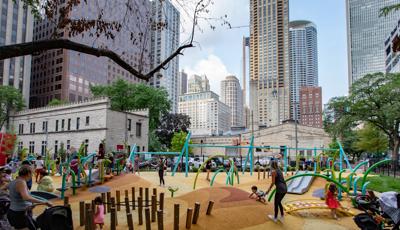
(219, 53)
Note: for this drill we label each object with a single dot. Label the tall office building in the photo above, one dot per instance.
(231, 95)
(67, 75)
(303, 59)
(16, 26)
(311, 106)
(182, 83)
(164, 43)
(366, 35)
(269, 61)
(198, 83)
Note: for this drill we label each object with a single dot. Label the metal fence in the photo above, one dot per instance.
(391, 168)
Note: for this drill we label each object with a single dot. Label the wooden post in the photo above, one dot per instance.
(153, 208)
(130, 221)
(146, 197)
(141, 192)
(210, 206)
(87, 217)
(113, 219)
(128, 210)
(126, 193)
(140, 210)
(155, 192)
(89, 220)
(265, 169)
(103, 198)
(196, 212)
(81, 213)
(258, 173)
(147, 218)
(113, 206)
(176, 216)
(133, 198)
(108, 202)
(160, 220)
(189, 218)
(162, 201)
(66, 201)
(118, 195)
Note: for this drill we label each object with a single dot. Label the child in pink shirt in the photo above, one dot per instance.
(99, 214)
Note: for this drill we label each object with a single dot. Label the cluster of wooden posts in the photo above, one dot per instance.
(264, 172)
(153, 210)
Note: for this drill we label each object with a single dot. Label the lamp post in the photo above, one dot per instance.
(295, 132)
(201, 149)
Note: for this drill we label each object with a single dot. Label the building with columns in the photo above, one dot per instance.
(16, 26)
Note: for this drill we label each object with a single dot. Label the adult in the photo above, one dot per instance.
(208, 169)
(101, 153)
(29, 182)
(161, 168)
(39, 164)
(281, 189)
(136, 165)
(21, 200)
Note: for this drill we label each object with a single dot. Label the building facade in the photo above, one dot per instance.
(67, 75)
(164, 43)
(87, 122)
(269, 61)
(311, 106)
(16, 26)
(366, 35)
(275, 136)
(303, 59)
(392, 45)
(198, 84)
(208, 115)
(231, 95)
(182, 83)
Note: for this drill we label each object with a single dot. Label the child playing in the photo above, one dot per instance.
(332, 201)
(260, 194)
(99, 215)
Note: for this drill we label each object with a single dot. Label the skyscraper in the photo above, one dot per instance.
(67, 75)
(198, 83)
(303, 59)
(311, 106)
(231, 95)
(16, 26)
(269, 61)
(366, 35)
(164, 43)
(182, 83)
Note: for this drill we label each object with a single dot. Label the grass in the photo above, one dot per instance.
(382, 183)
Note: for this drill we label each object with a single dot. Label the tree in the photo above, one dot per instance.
(371, 140)
(56, 101)
(127, 96)
(170, 124)
(178, 141)
(132, 19)
(154, 143)
(385, 11)
(10, 100)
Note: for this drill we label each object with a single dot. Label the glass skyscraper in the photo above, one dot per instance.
(366, 35)
(303, 61)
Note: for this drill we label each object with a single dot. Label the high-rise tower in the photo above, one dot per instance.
(231, 95)
(269, 61)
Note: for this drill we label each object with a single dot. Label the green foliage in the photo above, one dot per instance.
(10, 100)
(371, 140)
(62, 152)
(55, 101)
(170, 124)
(154, 143)
(178, 141)
(127, 96)
(382, 183)
(385, 11)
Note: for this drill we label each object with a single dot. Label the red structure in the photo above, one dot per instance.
(311, 106)
(7, 142)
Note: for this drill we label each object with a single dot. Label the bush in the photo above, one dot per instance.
(195, 169)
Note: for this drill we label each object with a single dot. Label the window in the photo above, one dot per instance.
(44, 146)
(31, 147)
(143, 148)
(138, 148)
(77, 123)
(87, 121)
(20, 146)
(138, 129)
(56, 125)
(86, 146)
(55, 147)
(32, 127)
(20, 128)
(44, 126)
(129, 125)
(68, 144)
(62, 124)
(69, 124)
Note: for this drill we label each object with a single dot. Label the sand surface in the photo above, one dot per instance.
(232, 210)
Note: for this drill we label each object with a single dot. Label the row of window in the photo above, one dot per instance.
(59, 125)
(57, 146)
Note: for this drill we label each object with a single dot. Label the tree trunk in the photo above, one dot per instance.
(395, 149)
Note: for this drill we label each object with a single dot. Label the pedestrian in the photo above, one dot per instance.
(161, 168)
(281, 189)
(208, 169)
(99, 214)
(39, 167)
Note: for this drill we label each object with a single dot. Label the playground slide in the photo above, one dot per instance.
(300, 185)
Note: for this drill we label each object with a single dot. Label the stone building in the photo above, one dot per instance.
(87, 122)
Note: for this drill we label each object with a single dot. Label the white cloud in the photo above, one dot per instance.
(213, 68)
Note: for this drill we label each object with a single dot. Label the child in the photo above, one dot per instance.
(260, 194)
(39, 167)
(332, 201)
(46, 183)
(99, 215)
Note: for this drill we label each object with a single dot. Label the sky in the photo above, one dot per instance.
(218, 52)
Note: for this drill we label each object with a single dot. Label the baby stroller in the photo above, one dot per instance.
(382, 213)
(57, 218)
(4, 206)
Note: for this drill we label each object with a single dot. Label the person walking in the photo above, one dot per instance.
(281, 189)
(161, 168)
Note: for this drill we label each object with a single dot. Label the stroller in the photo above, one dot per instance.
(379, 214)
